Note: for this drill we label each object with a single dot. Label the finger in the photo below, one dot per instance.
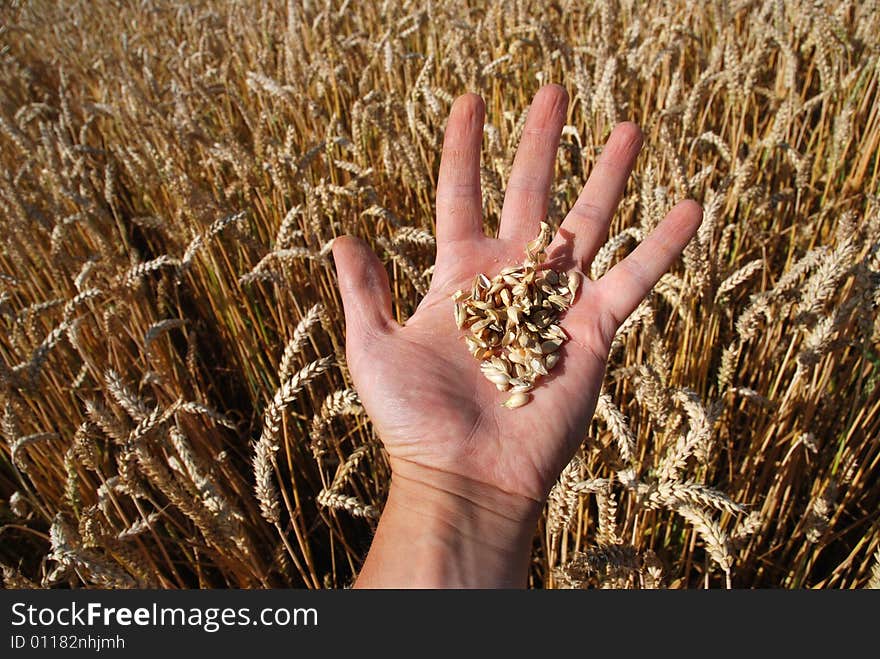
(528, 190)
(586, 225)
(627, 283)
(363, 285)
(459, 204)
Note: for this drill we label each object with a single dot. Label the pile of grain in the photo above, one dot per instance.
(513, 320)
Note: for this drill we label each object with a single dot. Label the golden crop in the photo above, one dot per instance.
(176, 408)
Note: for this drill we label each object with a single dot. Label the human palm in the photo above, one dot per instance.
(423, 390)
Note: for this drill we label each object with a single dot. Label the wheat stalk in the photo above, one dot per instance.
(748, 377)
(298, 341)
(269, 442)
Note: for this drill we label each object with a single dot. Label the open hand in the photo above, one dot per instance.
(439, 419)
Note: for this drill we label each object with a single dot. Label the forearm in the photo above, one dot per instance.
(442, 531)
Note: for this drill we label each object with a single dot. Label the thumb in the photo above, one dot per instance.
(363, 285)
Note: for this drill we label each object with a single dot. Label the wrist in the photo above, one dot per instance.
(442, 530)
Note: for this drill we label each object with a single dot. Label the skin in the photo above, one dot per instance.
(469, 477)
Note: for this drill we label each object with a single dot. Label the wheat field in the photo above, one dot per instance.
(176, 407)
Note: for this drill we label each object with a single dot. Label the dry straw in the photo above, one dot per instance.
(176, 410)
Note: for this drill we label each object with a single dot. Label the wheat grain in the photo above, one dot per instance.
(617, 424)
(651, 571)
(748, 526)
(512, 319)
(322, 121)
(874, 581)
(155, 330)
(823, 283)
(562, 501)
(339, 403)
(134, 406)
(69, 554)
(738, 278)
(297, 343)
(196, 408)
(349, 504)
(263, 271)
(606, 503)
(405, 264)
(818, 518)
(18, 504)
(672, 494)
(269, 442)
(18, 446)
(717, 542)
